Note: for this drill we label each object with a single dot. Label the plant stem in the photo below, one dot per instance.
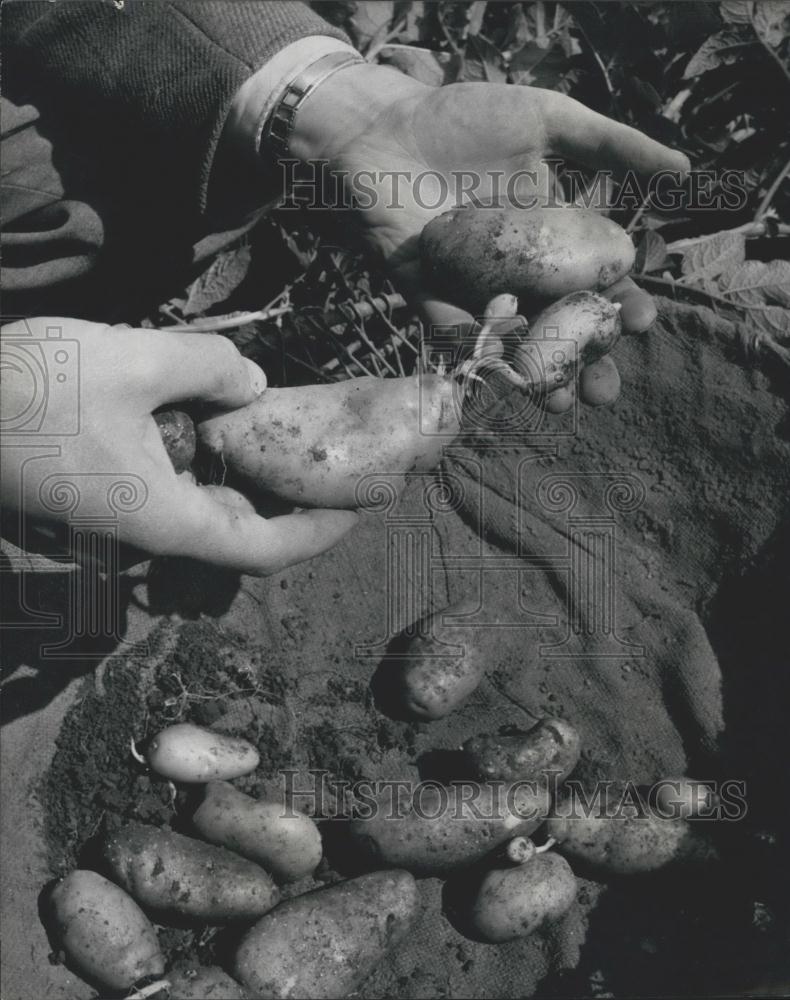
(765, 204)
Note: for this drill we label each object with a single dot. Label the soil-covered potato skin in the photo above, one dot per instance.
(313, 445)
(428, 681)
(514, 902)
(550, 748)
(326, 943)
(178, 437)
(193, 755)
(203, 982)
(573, 332)
(443, 829)
(106, 936)
(624, 841)
(288, 847)
(472, 254)
(174, 875)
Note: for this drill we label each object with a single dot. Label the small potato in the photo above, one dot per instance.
(191, 754)
(177, 876)
(288, 845)
(326, 943)
(599, 384)
(550, 748)
(441, 829)
(572, 332)
(623, 841)
(178, 436)
(472, 254)
(426, 683)
(203, 982)
(106, 936)
(514, 902)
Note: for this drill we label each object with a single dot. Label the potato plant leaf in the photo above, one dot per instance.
(736, 11)
(757, 282)
(771, 19)
(722, 49)
(651, 254)
(218, 281)
(707, 258)
(760, 288)
(483, 61)
(527, 57)
(518, 30)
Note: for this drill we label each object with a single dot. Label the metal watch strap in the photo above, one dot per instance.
(277, 130)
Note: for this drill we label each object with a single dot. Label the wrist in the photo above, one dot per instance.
(344, 106)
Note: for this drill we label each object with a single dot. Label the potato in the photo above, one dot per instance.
(192, 754)
(326, 943)
(287, 846)
(514, 902)
(177, 876)
(624, 839)
(105, 935)
(472, 254)
(312, 445)
(518, 851)
(178, 436)
(600, 384)
(437, 830)
(552, 746)
(575, 331)
(203, 982)
(424, 682)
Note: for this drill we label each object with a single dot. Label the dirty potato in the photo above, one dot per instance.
(177, 876)
(472, 254)
(326, 943)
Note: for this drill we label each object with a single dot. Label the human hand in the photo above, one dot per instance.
(83, 445)
(375, 123)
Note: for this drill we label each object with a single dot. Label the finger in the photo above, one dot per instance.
(221, 527)
(197, 366)
(438, 313)
(599, 383)
(575, 132)
(638, 312)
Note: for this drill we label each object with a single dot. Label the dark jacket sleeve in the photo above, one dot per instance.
(146, 85)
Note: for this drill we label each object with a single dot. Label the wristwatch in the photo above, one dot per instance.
(277, 130)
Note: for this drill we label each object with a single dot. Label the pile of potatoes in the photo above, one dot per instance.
(326, 942)
(319, 944)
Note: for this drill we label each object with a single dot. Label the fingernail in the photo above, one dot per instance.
(257, 377)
